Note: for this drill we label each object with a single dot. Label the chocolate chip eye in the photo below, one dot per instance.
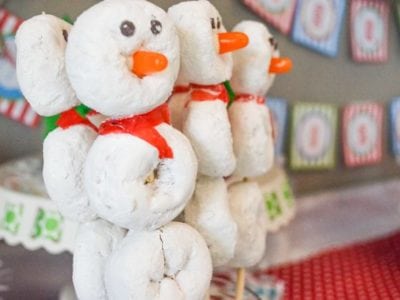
(156, 27)
(65, 35)
(273, 43)
(218, 23)
(127, 28)
(213, 23)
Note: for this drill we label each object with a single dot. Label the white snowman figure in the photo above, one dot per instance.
(41, 43)
(253, 74)
(122, 60)
(199, 110)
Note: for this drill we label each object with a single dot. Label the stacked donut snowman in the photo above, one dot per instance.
(253, 74)
(41, 43)
(199, 110)
(138, 173)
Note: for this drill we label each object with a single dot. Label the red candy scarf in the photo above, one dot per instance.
(249, 98)
(209, 93)
(71, 118)
(143, 127)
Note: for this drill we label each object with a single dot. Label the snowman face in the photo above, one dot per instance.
(198, 24)
(251, 65)
(41, 43)
(112, 46)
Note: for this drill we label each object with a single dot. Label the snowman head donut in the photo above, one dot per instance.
(205, 44)
(256, 65)
(41, 43)
(123, 57)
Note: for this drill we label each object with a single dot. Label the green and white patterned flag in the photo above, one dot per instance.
(48, 225)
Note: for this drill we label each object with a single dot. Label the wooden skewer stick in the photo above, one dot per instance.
(240, 283)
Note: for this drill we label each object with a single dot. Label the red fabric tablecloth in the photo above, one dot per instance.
(370, 270)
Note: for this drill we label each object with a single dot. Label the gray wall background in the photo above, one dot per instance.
(314, 78)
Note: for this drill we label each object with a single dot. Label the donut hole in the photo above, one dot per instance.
(152, 177)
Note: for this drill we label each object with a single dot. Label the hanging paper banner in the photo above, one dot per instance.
(278, 110)
(279, 200)
(278, 13)
(318, 23)
(313, 136)
(362, 134)
(395, 126)
(9, 87)
(369, 30)
(12, 104)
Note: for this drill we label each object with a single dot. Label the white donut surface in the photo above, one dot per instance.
(41, 43)
(208, 129)
(64, 156)
(100, 57)
(201, 62)
(94, 243)
(253, 142)
(247, 207)
(209, 213)
(116, 173)
(172, 262)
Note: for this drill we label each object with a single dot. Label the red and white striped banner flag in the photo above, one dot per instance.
(15, 109)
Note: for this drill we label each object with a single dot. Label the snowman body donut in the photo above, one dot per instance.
(122, 61)
(41, 43)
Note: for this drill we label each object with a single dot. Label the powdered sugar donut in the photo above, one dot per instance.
(209, 213)
(65, 153)
(247, 208)
(103, 46)
(41, 43)
(94, 243)
(214, 151)
(117, 175)
(172, 262)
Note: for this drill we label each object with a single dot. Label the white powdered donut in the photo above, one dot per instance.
(247, 207)
(41, 43)
(201, 62)
(172, 262)
(64, 156)
(100, 57)
(115, 177)
(94, 243)
(209, 213)
(252, 138)
(251, 64)
(211, 137)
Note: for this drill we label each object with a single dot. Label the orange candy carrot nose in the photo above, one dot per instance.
(146, 63)
(280, 65)
(232, 41)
